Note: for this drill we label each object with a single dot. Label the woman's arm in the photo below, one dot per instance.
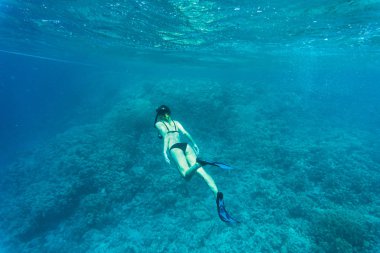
(162, 131)
(166, 143)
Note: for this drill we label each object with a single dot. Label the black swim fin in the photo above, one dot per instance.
(223, 215)
(222, 165)
(202, 162)
(217, 164)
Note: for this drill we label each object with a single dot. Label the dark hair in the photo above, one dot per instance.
(163, 109)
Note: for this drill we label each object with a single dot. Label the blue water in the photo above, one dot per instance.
(286, 93)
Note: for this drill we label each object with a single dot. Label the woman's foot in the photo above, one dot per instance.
(201, 162)
(223, 215)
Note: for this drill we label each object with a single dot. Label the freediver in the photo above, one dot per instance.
(184, 156)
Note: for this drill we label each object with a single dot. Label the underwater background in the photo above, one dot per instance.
(285, 92)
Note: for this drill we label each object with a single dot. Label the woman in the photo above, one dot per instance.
(184, 155)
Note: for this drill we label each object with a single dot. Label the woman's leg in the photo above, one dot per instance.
(192, 159)
(182, 163)
(210, 182)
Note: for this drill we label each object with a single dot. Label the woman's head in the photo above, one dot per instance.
(163, 112)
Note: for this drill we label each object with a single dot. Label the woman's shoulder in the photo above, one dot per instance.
(179, 125)
(159, 124)
(177, 122)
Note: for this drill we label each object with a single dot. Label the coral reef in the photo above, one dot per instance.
(303, 182)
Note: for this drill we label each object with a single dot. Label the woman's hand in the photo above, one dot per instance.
(167, 158)
(196, 149)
